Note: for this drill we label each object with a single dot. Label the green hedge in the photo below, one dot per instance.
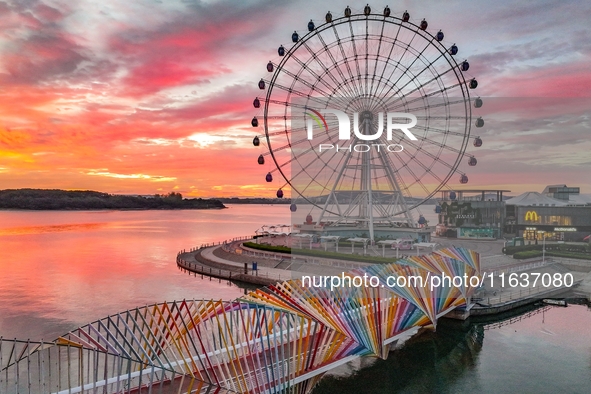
(570, 255)
(524, 248)
(528, 254)
(268, 248)
(549, 248)
(320, 253)
(538, 253)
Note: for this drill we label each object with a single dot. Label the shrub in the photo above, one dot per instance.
(528, 254)
(570, 255)
(549, 248)
(538, 253)
(320, 253)
(268, 248)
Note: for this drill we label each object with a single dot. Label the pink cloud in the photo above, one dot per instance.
(70, 105)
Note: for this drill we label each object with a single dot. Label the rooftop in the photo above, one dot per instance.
(535, 199)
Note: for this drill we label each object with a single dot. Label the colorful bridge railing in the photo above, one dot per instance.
(278, 339)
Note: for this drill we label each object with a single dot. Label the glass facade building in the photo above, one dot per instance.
(566, 223)
(472, 214)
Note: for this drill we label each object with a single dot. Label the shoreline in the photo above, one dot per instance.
(107, 209)
(218, 261)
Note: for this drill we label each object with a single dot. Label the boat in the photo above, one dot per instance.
(550, 301)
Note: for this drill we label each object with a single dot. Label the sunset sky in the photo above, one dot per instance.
(156, 96)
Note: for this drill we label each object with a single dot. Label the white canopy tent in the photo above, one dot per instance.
(425, 245)
(301, 236)
(358, 240)
(388, 242)
(326, 239)
(274, 230)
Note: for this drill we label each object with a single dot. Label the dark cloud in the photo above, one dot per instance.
(41, 57)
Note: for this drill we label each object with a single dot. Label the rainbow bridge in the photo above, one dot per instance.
(278, 339)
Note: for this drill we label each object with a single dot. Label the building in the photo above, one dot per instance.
(471, 213)
(559, 213)
(419, 234)
(561, 192)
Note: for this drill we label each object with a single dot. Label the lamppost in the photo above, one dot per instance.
(543, 247)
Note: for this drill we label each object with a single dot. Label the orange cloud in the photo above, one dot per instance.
(161, 97)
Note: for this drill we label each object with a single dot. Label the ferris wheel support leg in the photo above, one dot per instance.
(332, 191)
(367, 183)
(399, 199)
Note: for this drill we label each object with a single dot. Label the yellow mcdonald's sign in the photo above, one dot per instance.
(531, 216)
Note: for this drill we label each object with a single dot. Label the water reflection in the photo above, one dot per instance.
(99, 263)
(427, 363)
(50, 229)
(536, 349)
(60, 270)
(246, 287)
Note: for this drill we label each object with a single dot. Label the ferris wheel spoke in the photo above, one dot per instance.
(314, 55)
(437, 76)
(440, 131)
(294, 158)
(284, 104)
(392, 46)
(342, 50)
(288, 145)
(283, 132)
(366, 86)
(430, 172)
(417, 88)
(427, 95)
(312, 86)
(313, 176)
(391, 169)
(417, 179)
(420, 117)
(434, 143)
(375, 66)
(445, 103)
(341, 163)
(301, 79)
(398, 62)
(343, 91)
(350, 81)
(279, 117)
(396, 183)
(292, 144)
(399, 184)
(291, 90)
(431, 155)
(355, 57)
(334, 62)
(304, 129)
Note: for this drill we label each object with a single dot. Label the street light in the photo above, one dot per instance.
(543, 247)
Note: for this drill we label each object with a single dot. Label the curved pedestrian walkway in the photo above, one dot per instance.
(271, 267)
(268, 272)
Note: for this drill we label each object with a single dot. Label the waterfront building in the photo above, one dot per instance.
(471, 213)
(559, 213)
(421, 233)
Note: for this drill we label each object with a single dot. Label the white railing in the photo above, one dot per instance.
(304, 259)
(522, 267)
(504, 297)
(577, 262)
(198, 268)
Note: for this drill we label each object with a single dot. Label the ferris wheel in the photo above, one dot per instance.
(406, 98)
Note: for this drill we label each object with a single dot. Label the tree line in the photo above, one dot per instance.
(45, 199)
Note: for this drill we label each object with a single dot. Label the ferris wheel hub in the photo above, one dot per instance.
(366, 116)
